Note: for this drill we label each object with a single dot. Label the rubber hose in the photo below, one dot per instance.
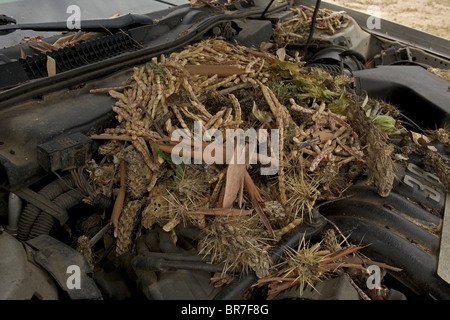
(26, 220)
(160, 264)
(31, 212)
(327, 67)
(44, 223)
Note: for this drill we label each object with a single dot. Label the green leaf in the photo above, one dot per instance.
(167, 157)
(309, 86)
(179, 168)
(339, 105)
(386, 124)
(285, 69)
(157, 70)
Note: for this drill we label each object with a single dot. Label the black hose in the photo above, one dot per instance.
(313, 27)
(411, 123)
(45, 222)
(265, 10)
(173, 256)
(31, 214)
(42, 225)
(26, 221)
(161, 264)
(356, 54)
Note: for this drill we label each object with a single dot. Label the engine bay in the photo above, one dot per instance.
(355, 125)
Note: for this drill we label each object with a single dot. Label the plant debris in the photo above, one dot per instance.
(296, 28)
(210, 3)
(311, 263)
(67, 41)
(238, 243)
(378, 151)
(441, 73)
(327, 138)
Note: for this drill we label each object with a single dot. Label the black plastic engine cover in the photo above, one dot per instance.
(402, 229)
(420, 94)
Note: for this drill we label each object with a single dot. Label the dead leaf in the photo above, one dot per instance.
(281, 54)
(117, 209)
(256, 199)
(47, 46)
(368, 262)
(339, 254)
(235, 179)
(419, 139)
(266, 46)
(324, 135)
(51, 66)
(422, 140)
(62, 42)
(31, 39)
(22, 53)
(168, 227)
(261, 116)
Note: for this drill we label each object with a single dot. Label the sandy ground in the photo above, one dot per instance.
(426, 15)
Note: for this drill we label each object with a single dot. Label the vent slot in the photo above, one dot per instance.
(80, 54)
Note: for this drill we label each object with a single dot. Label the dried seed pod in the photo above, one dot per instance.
(127, 222)
(156, 208)
(109, 148)
(276, 214)
(330, 241)
(139, 174)
(84, 247)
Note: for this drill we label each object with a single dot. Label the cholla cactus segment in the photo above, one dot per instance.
(238, 243)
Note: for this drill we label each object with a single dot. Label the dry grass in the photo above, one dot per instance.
(425, 15)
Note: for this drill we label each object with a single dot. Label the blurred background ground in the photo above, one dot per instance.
(425, 15)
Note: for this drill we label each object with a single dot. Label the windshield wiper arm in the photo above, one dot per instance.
(4, 19)
(128, 20)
